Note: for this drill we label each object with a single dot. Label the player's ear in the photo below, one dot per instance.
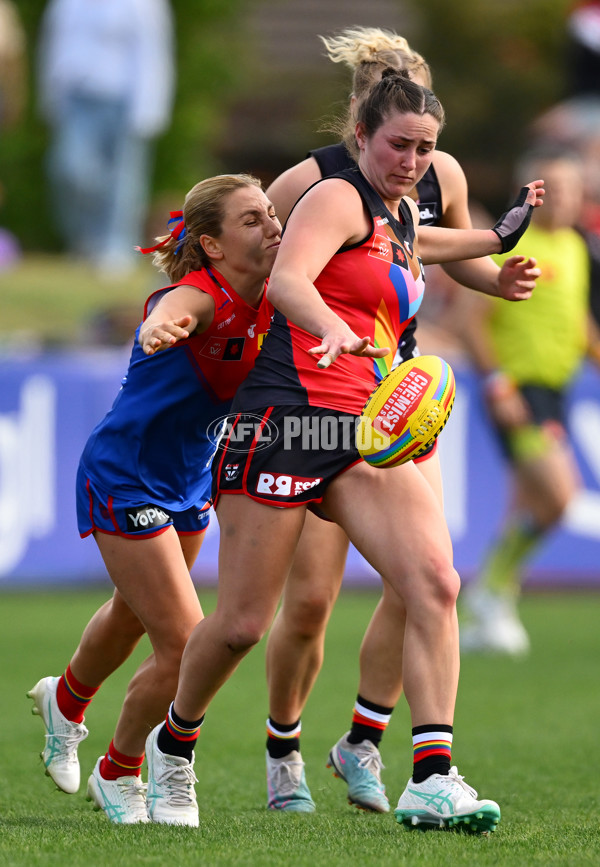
(211, 246)
(360, 133)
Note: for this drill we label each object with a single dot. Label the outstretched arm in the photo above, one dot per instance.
(329, 216)
(177, 314)
(512, 282)
(438, 245)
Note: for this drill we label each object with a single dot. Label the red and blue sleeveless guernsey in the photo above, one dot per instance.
(375, 286)
(157, 441)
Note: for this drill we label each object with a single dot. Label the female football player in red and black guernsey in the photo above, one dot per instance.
(348, 277)
(296, 641)
(143, 487)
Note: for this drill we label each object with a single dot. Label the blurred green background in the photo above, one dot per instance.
(254, 88)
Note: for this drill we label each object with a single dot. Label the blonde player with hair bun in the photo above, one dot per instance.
(362, 47)
(296, 642)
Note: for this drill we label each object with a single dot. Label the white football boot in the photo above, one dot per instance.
(446, 802)
(171, 796)
(62, 736)
(123, 800)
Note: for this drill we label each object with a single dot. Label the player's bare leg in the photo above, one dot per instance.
(295, 654)
(543, 486)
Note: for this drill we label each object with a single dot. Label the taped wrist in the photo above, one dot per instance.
(512, 224)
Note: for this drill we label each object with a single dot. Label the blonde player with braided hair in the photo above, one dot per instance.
(296, 642)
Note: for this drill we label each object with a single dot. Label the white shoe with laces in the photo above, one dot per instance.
(123, 800)
(171, 796)
(62, 736)
(286, 785)
(446, 802)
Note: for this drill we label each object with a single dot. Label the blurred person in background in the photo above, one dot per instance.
(13, 70)
(583, 47)
(13, 84)
(574, 123)
(106, 84)
(144, 479)
(528, 355)
(295, 645)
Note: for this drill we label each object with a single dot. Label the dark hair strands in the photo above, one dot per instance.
(394, 92)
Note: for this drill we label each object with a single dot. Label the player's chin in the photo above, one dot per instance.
(401, 186)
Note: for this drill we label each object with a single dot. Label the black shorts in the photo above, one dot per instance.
(547, 410)
(284, 455)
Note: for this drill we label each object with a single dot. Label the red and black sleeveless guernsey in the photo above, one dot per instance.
(335, 158)
(376, 286)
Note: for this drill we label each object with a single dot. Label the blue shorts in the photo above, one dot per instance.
(129, 518)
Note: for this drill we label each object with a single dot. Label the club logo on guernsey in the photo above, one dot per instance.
(146, 518)
(231, 349)
(381, 248)
(399, 255)
(390, 251)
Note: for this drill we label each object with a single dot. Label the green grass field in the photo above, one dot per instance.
(526, 735)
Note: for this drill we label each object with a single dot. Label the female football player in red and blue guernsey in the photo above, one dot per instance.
(144, 480)
(295, 646)
(348, 273)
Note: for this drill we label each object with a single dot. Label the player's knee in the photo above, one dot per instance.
(242, 636)
(449, 586)
(309, 617)
(553, 512)
(555, 504)
(442, 584)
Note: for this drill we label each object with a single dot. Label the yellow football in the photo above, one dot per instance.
(406, 411)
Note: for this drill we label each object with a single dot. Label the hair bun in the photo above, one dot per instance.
(391, 72)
